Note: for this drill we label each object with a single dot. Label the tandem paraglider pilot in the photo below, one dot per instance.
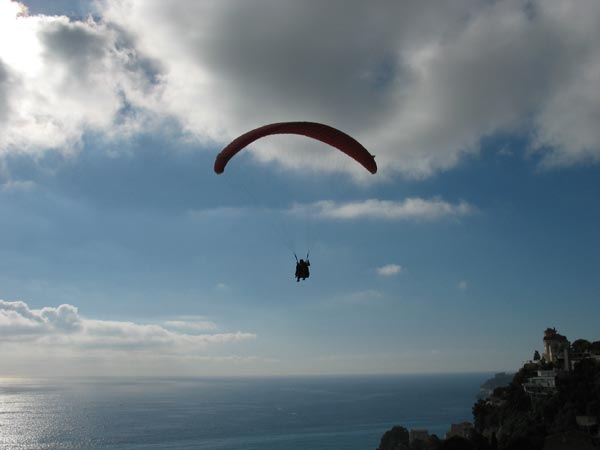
(319, 131)
(302, 270)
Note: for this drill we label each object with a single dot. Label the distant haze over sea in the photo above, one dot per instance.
(270, 413)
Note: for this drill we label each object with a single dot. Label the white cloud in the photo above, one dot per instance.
(418, 83)
(192, 325)
(64, 328)
(462, 285)
(409, 209)
(60, 78)
(389, 270)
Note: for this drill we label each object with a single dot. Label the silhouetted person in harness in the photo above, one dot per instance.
(302, 270)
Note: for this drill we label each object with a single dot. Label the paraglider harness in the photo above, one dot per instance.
(302, 268)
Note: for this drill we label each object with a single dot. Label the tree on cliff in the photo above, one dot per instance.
(581, 346)
(395, 439)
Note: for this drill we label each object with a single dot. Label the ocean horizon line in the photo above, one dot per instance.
(258, 376)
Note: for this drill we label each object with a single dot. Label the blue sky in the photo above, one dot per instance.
(121, 252)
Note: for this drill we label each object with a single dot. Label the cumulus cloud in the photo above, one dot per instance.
(18, 320)
(389, 270)
(64, 327)
(60, 78)
(462, 285)
(418, 83)
(409, 209)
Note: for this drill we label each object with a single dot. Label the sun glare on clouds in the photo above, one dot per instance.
(19, 47)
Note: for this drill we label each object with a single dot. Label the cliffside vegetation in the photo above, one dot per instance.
(565, 415)
(521, 420)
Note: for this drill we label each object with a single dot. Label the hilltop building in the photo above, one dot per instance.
(463, 430)
(558, 352)
(556, 349)
(542, 384)
(563, 355)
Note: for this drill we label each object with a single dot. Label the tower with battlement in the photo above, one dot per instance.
(556, 348)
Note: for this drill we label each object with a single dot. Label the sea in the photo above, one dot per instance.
(258, 413)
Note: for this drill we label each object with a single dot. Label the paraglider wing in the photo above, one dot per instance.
(318, 131)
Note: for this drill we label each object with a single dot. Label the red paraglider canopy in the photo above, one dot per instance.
(318, 131)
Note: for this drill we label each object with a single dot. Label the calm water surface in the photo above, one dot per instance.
(284, 413)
